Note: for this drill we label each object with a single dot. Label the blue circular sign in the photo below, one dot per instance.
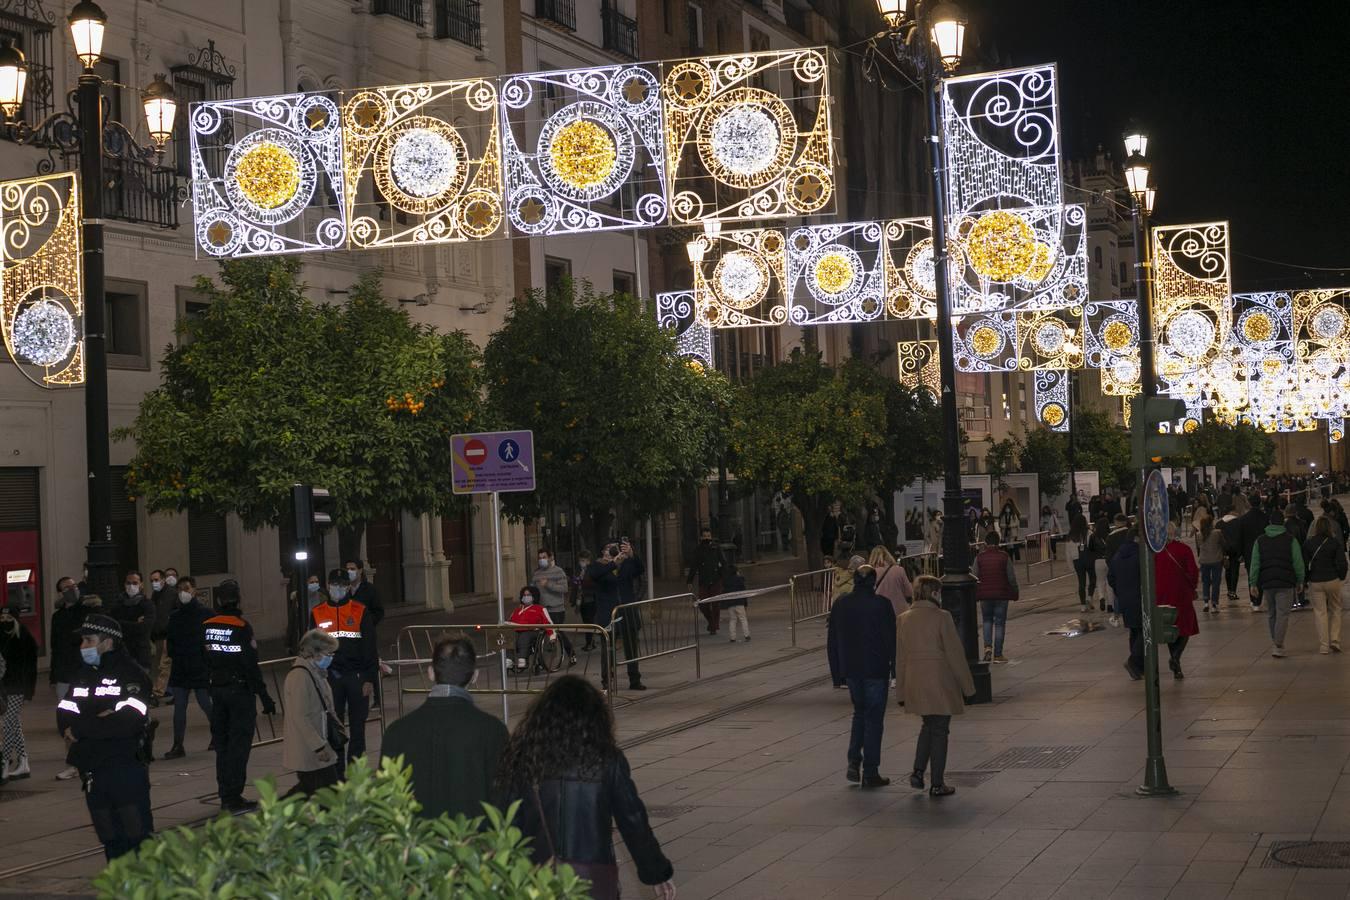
(1154, 511)
(508, 450)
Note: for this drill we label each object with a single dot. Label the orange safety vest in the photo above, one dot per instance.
(340, 621)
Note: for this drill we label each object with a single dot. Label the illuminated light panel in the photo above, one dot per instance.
(582, 154)
(268, 175)
(919, 365)
(425, 161)
(693, 339)
(1000, 246)
(741, 279)
(837, 270)
(1192, 287)
(751, 140)
(41, 286)
(1050, 396)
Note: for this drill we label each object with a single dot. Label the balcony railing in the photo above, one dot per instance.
(460, 20)
(139, 192)
(407, 10)
(620, 32)
(559, 12)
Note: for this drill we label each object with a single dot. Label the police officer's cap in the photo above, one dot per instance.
(101, 626)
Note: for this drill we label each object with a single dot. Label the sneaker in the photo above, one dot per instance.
(941, 790)
(520, 663)
(852, 774)
(572, 660)
(20, 769)
(988, 655)
(67, 773)
(1277, 650)
(1324, 650)
(1135, 674)
(1335, 646)
(175, 752)
(1114, 621)
(238, 805)
(916, 780)
(1256, 608)
(1000, 659)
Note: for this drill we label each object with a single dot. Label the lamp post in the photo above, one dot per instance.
(1136, 181)
(928, 41)
(83, 131)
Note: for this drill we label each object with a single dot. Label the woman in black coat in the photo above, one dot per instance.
(574, 786)
(16, 686)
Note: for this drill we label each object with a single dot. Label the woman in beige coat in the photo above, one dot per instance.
(305, 746)
(932, 678)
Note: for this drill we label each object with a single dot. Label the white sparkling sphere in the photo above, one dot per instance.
(424, 163)
(1328, 322)
(739, 278)
(745, 139)
(1191, 333)
(1049, 338)
(1126, 371)
(44, 333)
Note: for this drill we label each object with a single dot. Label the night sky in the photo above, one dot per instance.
(1246, 104)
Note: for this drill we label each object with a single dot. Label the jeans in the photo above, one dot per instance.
(995, 616)
(1231, 573)
(1325, 597)
(180, 705)
(1087, 578)
(1136, 659)
(932, 747)
(1210, 574)
(1281, 602)
(869, 716)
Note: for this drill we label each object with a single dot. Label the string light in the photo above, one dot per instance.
(750, 140)
(425, 162)
(267, 174)
(741, 279)
(44, 333)
(1000, 245)
(1190, 333)
(836, 271)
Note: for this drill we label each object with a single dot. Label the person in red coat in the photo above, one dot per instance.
(529, 612)
(1178, 576)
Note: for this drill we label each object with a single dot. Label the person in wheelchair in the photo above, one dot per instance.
(529, 612)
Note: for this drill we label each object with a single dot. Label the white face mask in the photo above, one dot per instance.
(338, 592)
(185, 596)
(133, 590)
(313, 587)
(527, 600)
(543, 562)
(171, 580)
(156, 585)
(352, 574)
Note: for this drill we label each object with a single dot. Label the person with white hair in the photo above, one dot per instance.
(310, 728)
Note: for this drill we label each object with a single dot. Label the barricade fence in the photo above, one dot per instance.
(547, 651)
(809, 597)
(650, 629)
(271, 729)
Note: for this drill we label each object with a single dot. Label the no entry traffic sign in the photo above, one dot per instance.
(493, 462)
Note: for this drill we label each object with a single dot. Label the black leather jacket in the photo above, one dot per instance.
(579, 816)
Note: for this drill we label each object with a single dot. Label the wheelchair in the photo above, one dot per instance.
(542, 655)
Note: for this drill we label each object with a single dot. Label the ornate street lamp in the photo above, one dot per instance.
(82, 132)
(928, 41)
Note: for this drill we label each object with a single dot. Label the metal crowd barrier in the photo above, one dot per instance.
(917, 564)
(271, 729)
(494, 642)
(809, 597)
(649, 629)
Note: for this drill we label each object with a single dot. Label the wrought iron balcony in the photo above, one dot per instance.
(136, 191)
(460, 20)
(407, 10)
(559, 12)
(620, 32)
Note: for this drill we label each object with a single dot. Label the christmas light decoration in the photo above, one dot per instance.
(41, 291)
(1191, 299)
(264, 172)
(1000, 246)
(835, 274)
(426, 159)
(919, 365)
(1050, 396)
(693, 339)
(739, 278)
(748, 136)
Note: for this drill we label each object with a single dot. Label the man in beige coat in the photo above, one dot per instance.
(932, 678)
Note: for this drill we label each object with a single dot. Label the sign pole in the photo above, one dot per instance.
(501, 596)
(651, 577)
(1153, 518)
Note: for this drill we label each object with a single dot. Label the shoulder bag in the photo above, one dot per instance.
(336, 734)
(604, 877)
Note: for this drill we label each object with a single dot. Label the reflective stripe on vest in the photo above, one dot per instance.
(340, 621)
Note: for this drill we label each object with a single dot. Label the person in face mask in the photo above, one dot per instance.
(314, 592)
(355, 667)
(360, 589)
(104, 717)
(529, 612)
(308, 700)
(19, 651)
(71, 608)
(551, 581)
(186, 650)
(135, 612)
(707, 569)
(162, 596)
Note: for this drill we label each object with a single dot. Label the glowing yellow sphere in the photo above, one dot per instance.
(984, 340)
(1116, 335)
(1053, 414)
(1258, 327)
(268, 175)
(1336, 435)
(1271, 366)
(1001, 245)
(583, 153)
(1042, 261)
(1190, 425)
(834, 273)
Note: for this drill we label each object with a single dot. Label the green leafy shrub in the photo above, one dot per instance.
(361, 838)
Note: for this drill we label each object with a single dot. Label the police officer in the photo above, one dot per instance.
(232, 667)
(353, 671)
(104, 718)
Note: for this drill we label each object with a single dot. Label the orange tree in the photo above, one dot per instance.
(266, 389)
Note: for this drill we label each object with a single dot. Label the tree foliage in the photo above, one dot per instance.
(268, 389)
(825, 434)
(1102, 445)
(1228, 447)
(360, 838)
(620, 420)
(1045, 453)
(1001, 459)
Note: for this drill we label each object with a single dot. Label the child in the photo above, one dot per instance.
(736, 607)
(529, 612)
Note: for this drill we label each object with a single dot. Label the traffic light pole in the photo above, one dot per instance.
(1155, 767)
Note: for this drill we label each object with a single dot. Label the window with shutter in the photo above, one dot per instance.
(208, 546)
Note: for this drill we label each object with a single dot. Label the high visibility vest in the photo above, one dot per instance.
(340, 621)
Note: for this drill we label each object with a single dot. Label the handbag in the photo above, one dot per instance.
(336, 735)
(604, 877)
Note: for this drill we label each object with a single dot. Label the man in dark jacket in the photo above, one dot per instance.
(1115, 539)
(354, 671)
(706, 570)
(1251, 526)
(65, 636)
(185, 646)
(1276, 571)
(135, 612)
(232, 667)
(862, 630)
(362, 591)
(451, 746)
(103, 717)
(1122, 573)
(832, 530)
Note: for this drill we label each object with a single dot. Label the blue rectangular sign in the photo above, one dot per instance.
(493, 462)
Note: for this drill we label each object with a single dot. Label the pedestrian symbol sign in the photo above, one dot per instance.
(492, 462)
